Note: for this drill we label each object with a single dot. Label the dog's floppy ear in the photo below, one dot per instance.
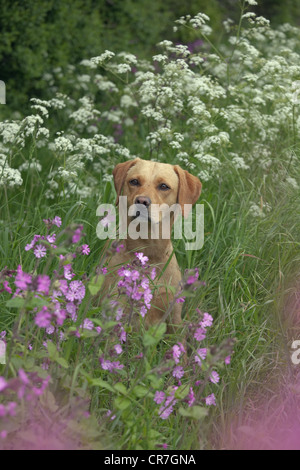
(119, 174)
(189, 188)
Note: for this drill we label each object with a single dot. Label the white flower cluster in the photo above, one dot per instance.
(198, 22)
(9, 177)
(214, 112)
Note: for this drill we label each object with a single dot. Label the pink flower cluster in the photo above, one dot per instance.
(167, 401)
(39, 243)
(189, 282)
(178, 355)
(135, 283)
(110, 365)
(62, 294)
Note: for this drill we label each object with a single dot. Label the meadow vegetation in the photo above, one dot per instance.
(78, 376)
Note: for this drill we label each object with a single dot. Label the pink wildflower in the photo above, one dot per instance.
(6, 287)
(23, 377)
(143, 259)
(43, 284)
(192, 279)
(122, 336)
(22, 280)
(56, 221)
(43, 318)
(85, 249)
(214, 377)
(51, 238)
(40, 251)
(200, 334)
(211, 400)
(176, 351)
(178, 372)
(159, 397)
(201, 355)
(207, 320)
(68, 273)
(3, 383)
(76, 291)
(30, 245)
(191, 397)
(87, 324)
(118, 348)
(77, 234)
(60, 315)
(143, 310)
(227, 360)
(167, 407)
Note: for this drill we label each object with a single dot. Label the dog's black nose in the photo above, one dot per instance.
(146, 201)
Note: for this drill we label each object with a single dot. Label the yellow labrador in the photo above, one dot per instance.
(147, 184)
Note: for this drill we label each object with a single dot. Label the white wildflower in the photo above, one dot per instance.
(239, 163)
(292, 182)
(63, 145)
(123, 68)
(32, 164)
(9, 177)
(129, 58)
(99, 60)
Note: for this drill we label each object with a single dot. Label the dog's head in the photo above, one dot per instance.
(149, 183)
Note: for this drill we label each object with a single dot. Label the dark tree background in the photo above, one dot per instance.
(39, 35)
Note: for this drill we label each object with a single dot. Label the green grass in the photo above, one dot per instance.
(247, 265)
(250, 264)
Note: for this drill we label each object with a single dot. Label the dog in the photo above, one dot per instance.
(147, 184)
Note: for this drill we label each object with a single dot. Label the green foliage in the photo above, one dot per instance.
(242, 122)
(41, 35)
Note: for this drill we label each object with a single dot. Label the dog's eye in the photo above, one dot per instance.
(164, 187)
(134, 182)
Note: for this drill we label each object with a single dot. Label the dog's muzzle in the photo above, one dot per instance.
(142, 203)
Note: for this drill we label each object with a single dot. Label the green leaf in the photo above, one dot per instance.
(194, 412)
(52, 350)
(154, 334)
(120, 388)
(122, 403)
(181, 392)
(104, 326)
(16, 302)
(96, 283)
(187, 293)
(85, 333)
(155, 381)
(62, 362)
(54, 355)
(140, 391)
(103, 384)
(36, 302)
